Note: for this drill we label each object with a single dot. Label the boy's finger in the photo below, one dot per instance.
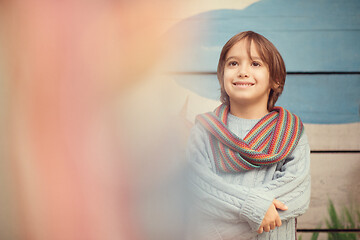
(272, 225)
(280, 205)
(260, 230)
(278, 222)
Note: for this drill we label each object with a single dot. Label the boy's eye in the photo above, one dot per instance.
(233, 63)
(255, 64)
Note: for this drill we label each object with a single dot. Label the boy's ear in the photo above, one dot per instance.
(276, 84)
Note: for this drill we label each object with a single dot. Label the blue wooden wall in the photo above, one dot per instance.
(319, 41)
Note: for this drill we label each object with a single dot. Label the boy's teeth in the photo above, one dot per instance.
(243, 84)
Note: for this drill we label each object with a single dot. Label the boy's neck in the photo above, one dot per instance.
(248, 111)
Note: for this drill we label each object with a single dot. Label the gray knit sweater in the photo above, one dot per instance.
(233, 205)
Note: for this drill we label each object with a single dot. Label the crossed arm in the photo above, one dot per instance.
(234, 203)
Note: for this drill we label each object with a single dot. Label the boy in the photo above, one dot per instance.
(249, 157)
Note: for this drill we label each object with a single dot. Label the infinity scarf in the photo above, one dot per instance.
(270, 141)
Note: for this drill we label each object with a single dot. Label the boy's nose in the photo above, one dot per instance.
(242, 73)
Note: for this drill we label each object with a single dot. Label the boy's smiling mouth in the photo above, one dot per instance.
(243, 84)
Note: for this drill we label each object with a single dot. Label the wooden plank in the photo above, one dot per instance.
(321, 99)
(334, 136)
(311, 35)
(302, 51)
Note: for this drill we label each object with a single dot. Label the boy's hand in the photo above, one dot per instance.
(272, 218)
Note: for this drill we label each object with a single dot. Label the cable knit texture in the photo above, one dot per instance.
(233, 205)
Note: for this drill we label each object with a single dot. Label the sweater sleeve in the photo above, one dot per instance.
(232, 202)
(292, 183)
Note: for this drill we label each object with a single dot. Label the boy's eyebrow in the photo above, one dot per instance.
(252, 57)
(229, 58)
(255, 57)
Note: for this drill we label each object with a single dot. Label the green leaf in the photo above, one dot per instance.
(349, 218)
(315, 236)
(335, 222)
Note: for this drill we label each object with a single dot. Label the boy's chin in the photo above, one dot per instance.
(244, 101)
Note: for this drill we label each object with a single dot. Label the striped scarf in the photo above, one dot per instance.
(270, 141)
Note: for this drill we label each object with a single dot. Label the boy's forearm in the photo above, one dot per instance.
(230, 202)
(297, 202)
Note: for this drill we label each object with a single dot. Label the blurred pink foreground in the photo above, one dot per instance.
(64, 64)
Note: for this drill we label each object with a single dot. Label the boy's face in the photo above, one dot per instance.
(246, 81)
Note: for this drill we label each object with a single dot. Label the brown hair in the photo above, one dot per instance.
(268, 53)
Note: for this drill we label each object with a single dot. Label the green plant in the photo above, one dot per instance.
(348, 219)
(316, 234)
